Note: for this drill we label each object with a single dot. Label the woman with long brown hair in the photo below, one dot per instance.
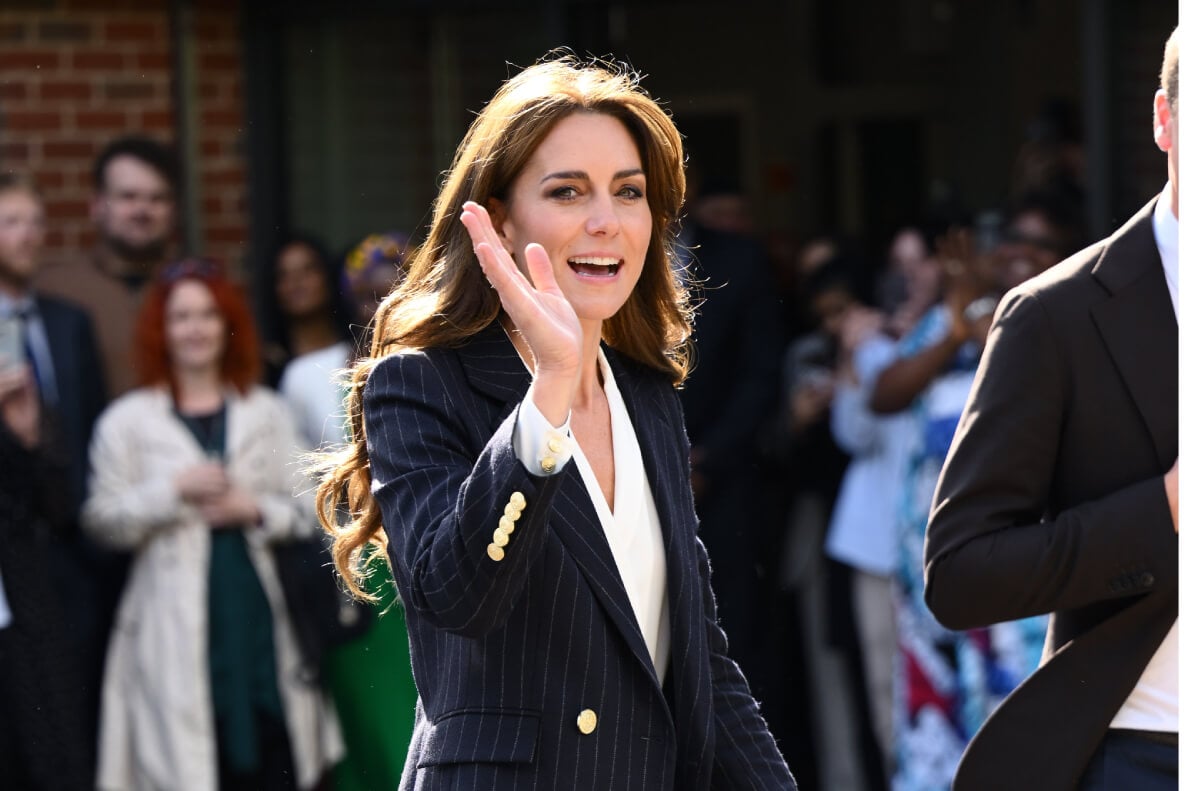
(519, 455)
(196, 473)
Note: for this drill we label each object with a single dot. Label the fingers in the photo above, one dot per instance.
(541, 271)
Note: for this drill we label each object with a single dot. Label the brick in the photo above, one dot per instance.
(60, 209)
(51, 180)
(157, 121)
(219, 61)
(74, 89)
(28, 59)
(210, 148)
(36, 121)
(130, 89)
(101, 119)
(98, 60)
(12, 31)
(153, 61)
(215, 30)
(14, 150)
(60, 30)
(13, 90)
(140, 32)
(68, 149)
(55, 239)
(221, 118)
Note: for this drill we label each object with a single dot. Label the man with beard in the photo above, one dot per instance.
(133, 209)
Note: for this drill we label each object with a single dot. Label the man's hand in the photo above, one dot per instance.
(20, 408)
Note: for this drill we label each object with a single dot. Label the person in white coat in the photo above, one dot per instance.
(196, 472)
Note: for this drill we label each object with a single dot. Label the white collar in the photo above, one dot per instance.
(1166, 237)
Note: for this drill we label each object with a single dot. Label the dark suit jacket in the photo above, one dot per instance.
(81, 386)
(1052, 500)
(739, 344)
(507, 654)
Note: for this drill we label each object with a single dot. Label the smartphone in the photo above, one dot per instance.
(12, 342)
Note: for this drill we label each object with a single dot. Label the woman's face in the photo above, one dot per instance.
(300, 282)
(582, 196)
(195, 327)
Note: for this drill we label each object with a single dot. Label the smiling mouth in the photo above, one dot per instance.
(594, 266)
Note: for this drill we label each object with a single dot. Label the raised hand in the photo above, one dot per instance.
(540, 314)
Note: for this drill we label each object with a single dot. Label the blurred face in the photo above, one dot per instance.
(1030, 246)
(22, 230)
(582, 196)
(831, 308)
(195, 328)
(300, 282)
(134, 211)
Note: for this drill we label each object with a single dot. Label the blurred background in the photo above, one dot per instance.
(339, 117)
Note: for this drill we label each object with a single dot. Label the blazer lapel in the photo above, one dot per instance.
(659, 444)
(1139, 328)
(493, 368)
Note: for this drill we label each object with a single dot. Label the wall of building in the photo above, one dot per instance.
(75, 74)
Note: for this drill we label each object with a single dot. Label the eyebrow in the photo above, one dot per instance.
(579, 175)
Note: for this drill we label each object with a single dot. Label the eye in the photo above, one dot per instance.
(565, 192)
(631, 192)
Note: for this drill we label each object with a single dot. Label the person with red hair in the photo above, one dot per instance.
(196, 473)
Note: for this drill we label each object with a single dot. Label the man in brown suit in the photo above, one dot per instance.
(1060, 495)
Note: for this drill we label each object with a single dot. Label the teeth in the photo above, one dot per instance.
(594, 260)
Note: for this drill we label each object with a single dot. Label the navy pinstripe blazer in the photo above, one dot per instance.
(507, 654)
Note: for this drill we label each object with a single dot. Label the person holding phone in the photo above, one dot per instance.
(50, 386)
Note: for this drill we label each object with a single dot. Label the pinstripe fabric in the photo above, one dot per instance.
(507, 654)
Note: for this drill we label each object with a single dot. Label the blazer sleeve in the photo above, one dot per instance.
(442, 495)
(127, 503)
(992, 553)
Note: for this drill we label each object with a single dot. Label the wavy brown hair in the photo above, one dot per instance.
(445, 298)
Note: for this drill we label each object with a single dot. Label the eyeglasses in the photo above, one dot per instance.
(199, 268)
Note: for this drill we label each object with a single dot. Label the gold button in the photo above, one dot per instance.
(555, 444)
(548, 464)
(507, 525)
(500, 538)
(586, 721)
(517, 499)
(495, 553)
(512, 512)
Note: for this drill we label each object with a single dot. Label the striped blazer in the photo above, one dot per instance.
(531, 670)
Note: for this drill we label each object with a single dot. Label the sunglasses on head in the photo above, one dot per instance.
(199, 268)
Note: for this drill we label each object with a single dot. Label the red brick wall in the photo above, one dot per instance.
(78, 73)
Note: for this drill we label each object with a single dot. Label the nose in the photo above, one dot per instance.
(602, 221)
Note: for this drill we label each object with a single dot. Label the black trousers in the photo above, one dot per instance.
(1132, 761)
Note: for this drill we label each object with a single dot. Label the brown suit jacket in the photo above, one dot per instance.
(1052, 500)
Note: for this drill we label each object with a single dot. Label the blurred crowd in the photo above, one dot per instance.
(159, 422)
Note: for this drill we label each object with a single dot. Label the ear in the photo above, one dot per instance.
(1164, 128)
(498, 211)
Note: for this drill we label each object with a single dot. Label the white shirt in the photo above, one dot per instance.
(313, 389)
(1153, 705)
(632, 528)
(1166, 236)
(863, 526)
(5, 613)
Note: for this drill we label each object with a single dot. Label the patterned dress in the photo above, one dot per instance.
(949, 681)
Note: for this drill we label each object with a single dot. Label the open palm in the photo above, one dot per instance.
(538, 309)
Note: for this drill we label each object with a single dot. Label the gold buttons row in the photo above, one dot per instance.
(508, 523)
(586, 721)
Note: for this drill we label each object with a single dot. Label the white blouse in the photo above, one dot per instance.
(632, 527)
